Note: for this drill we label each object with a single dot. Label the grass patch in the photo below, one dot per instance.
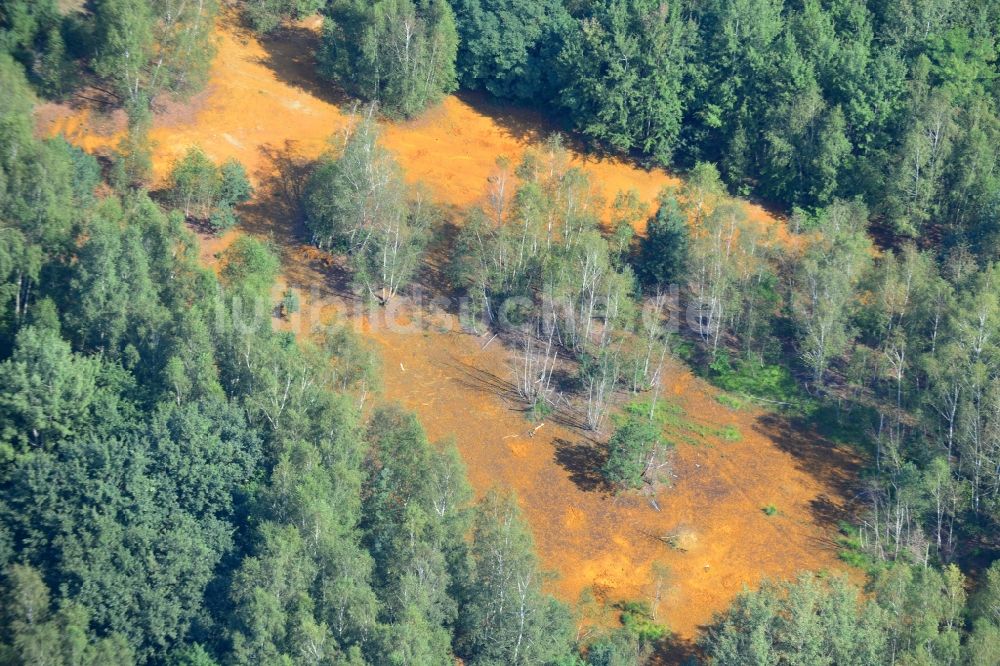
(672, 420)
(538, 411)
(637, 619)
(851, 551)
(770, 510)
(664, 409)
(770, 383)
(731, 401)
(855, 559)
(665, 414)
(730, 433)
(685, 350)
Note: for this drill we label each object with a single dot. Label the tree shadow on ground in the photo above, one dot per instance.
(568, 416)
(584, 461)
(830, 515)
(434, 275)
(291, 56)
(276, 212)
(836, 467)
(484, 381)
(520, 122)
(828, 512)
(281, 179)
(534, 124)
(676, 651)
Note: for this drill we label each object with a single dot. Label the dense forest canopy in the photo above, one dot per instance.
(182, 484)
(166, 499)
(799, 103)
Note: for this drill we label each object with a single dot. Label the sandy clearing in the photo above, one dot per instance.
(265, 107)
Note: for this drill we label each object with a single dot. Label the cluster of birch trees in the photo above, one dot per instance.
(357, 203)
(208, 192)
(902, 341)
(536, 262)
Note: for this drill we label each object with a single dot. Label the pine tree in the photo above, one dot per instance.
(398, 53)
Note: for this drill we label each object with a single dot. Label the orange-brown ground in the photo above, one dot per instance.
(265, 107)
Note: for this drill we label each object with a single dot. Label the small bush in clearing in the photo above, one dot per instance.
(730, 433)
